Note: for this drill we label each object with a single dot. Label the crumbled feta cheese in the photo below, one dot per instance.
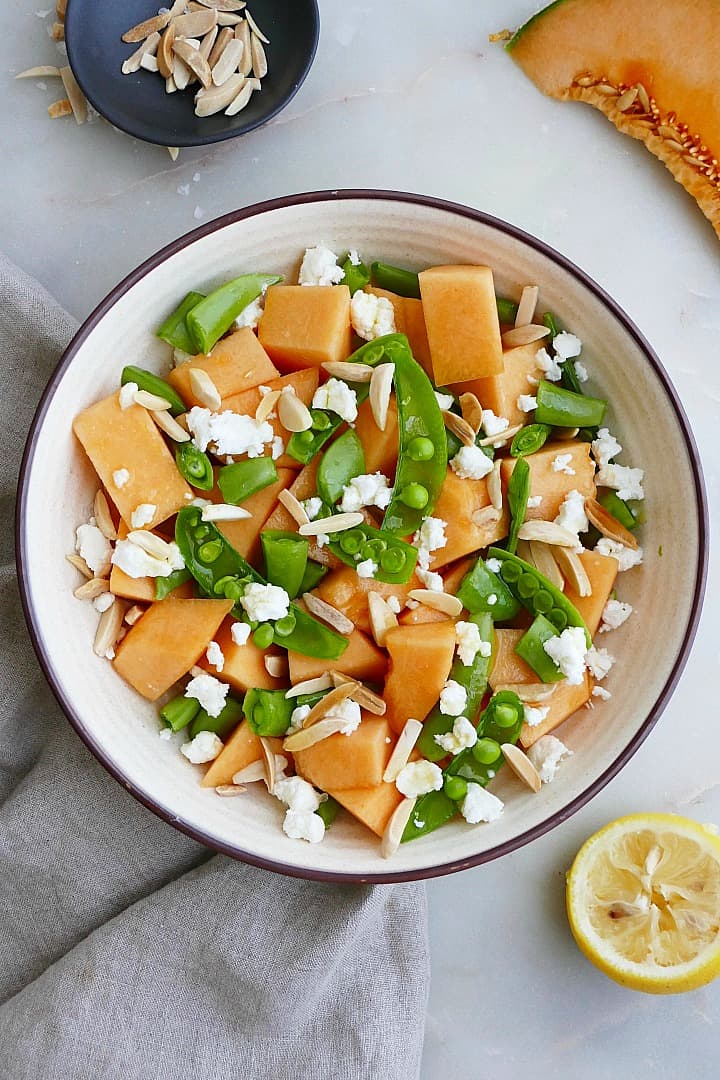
(535, 714)
(546, 755)
(572, 514)
(453, 698)
(304, 825)
(581, 372)
(492, 424)
(278, 448)
(215, 655)
(209, 691)
(240, 632)
(297, 794)
(251, 315)
(469, 642)
(319, 267)
(492, 599)
(104, 601)
(480, 805)
(95, 548)
(142, 515)
(126, 395)
(120, 478)
(321, 539)
(366, 569)
(338, 397)
(569, 650)
(626, 481)
(418, 778)
(526, 403)
(312, 507)
(204, 747)
(548, 365)
(462, 736)
(264, 390)
(394, 604)
(561, 463)
(296, 718)
(136, 562)
(430, 580)
(354, 257)
(599, 662)
(368, 489)
(470, 463)
(566, 345)
(494, 564)
(372, 316)
(615, 613)
(265, 602)
(349, 711)
(230, 432)
(445, 401)
(601, 692)
(627, 557)
(605, 447)
(429, 537)
(534, 501)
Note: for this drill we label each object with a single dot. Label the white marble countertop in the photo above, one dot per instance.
(413, 97)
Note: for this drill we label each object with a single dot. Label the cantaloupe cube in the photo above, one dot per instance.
(348, 761)
(115, 438)
(170, 637)
(381, 447)
(459, 499)
(507, 666)
(420, 660)
(238, 362)
(348, 593)
(241, 749)
(304, 383)
(409, 320)
(462, 323)
(303, 486)
(602, 571)
(500, 392)
(372, 806)
(305, 325)
(423, 614)
(565, 701)
(244, 666)
(553, 486)
(362, 659)
(244, 535)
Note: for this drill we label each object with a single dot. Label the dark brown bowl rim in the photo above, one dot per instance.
(700, 497)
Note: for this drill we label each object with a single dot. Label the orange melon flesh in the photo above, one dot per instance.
(238, 362)
(244, 535)
(462, 322)
(348, 761)
(170, 637)
(423, 614)
(602, 571)
(554, 486)
(362, 659)
(458, 501)
(500, 392)
(372, 806)
(304, 383)
(303, 486)
(115, 438)
(348, 593)
(306, 325)
(671, 47)
(241, 749)
(381, 447)
(244, 666)
(420, 660)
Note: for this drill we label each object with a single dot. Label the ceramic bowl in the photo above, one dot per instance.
(57, 488)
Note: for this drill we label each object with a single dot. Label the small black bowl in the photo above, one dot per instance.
(138, 104)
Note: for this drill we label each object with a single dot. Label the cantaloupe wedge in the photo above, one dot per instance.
(501, 392)
(362, 659)
(170, 637)
(238, 362)
(305, 325)
(462, 323)
(459, 499)
(420, 660)
(348, 593)
(304, 383)
(241, 749)
(244, 535)
(348, 761)
(553, 486)
(244, 666)
(372, 806)
(601, 51)
(115, 438)
(602, 571)
(381, 447)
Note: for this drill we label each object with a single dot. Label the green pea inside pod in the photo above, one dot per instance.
(415, 496)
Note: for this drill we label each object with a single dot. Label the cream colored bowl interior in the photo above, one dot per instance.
(60, 485)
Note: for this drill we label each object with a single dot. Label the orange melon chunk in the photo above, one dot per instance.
(372, 806)
(462, 323)
(458, 501)
(303, 486)
(501, 392)
(241, 749)
(244, 666)
(565, 701)
(381, 447)
(244, 535)
(306, 325)
(362, 659)
(602, 571)
(304, 383)
(409, 320)
(553, 486)
(420, 660)
(170, 637)
(348, 593)
(238, 362)
(348, 761)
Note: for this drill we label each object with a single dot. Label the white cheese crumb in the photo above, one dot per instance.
(548, 365)
(470, 463)
(312, 507)
(338, 397)
(535, 715)
(394, 604)
(601, 692)
(581, 372)
(297, 794)
(368, 489)
(569, 650)
(92, 546)
(494, 564)
(204, 747)
(126, 395)
(321, 539)
(462, 736)
(418, 778)
(263, 390)
(480, 805)
(304, 825)
(296, 718)
(492, 424)
(372, 316)
(469, 642)
(349, 711)
(627, 557)
(354, 257)
(571, 515)
(430, 580)
(599, 662)
(546, 755)
(492, 599)
(453, 698)
(366, 569)
(445, 401)
(566, 345)
(319, 267)
(626, 481)
(215, 655)
(278, 448)
(561, 463)
(142, 515)
(120, 478)
(429, 537)
(251, 315)
(230, 432)
(615, 613)
(137, 563)
(605, 447)
(265, 602)
(534, 501)
(240, 632)
(526, 403)
(165, 733)
(209, 691)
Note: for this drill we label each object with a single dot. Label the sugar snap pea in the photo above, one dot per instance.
(396, 280)
(529, 439)
(357, 275)
(165, 585)
(536, 593)
(518, 493)
(482, 590)
(314, 573)
(209, 319)
(563, 408)
(239, 481)
(153, 384)
(267, 712)
(507, 310)
(343, 460)
(304, 445)
(179, 712)
(174, 330)
(286, 556)
(195, 466)
(328, 810)
(226, 721)
(395, 559)
(619, 509)
(530, 649)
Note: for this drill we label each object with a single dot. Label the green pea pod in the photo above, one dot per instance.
(268, 712)
(357, 275)
(314, 573)
(530, 649)
(518, 493)
(395, 559)
(473, 678)
(429, 813)
(208, 320)
(328, 810)
(145, 380)
(507, 310)
(478, 764)
(619, 509)
(551, 323)
(304, 445)
(344, 459)
(503, 718)
(174, 330)
(165, 585)
(477, 588)
(563, 408)
(226, 721)
(245, 478)
(195, 466)
(529, 440)
(536, 593)
(396, 280)
(286, 556)
(179, 712)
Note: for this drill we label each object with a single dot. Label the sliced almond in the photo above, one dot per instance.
(471, 410)
(402, 750)
(242, 32)
(196, 24)
(227, 18)
(59, 108)
(224, 36)
(238, 103)
(224, 512)
(270, 763)
(328, 614)
(251, 773)
(486, 516)
(151, 543)
(92, 588)
(149, 63)
(208, 42)
(544, 560)
(382, 617)
(523, 552)
(103, 518)
(459, 427)
(223, 5)
(267, 404)
(134, 62)
(170, 426)
(438, 601)
(340, 369)
(529, 693)
(364, 697)
(193, 59)
(276, 666)
(216, 98)
(109, 628)
(293, 413)
(524, 335)
(334, 524)
(170, 88)
(204, 389)
(327, 704)
(165, 52)
(309, 686)
(58, 32)
(502, 436)
(381, 382)
(307, 737)
(228, 791)
(522, 766)
(608, 525)
(395, 828)
(45, 71)
(134, 614)
(574, 571)
(547, 532)
(228, 62)
(145, 29)
(494, 486)
(527, 305)
(259, 59)
(293, 506)
(79, 563)
(153, 402)
(255, 28)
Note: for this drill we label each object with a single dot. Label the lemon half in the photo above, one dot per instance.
(643, 899)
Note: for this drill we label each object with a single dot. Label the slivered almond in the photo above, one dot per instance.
(502, 436)
(165, 52)
(522, 766)
(574, 571)
(382, 617)
(270, 763)
(251, 773)
(276, 666)
(381, 382)
(45, 71)
(494, 486)
(396, 827)
(204, 389)
(293, 506)
(293, 413)
(523, 552)
(224, 512)
(134, 614)
(224, 36)
(92, 588)
(524, 335)
(181, 73)
(170, 88)
(471, 410)
(170, 426)
(259, 59)
(103, 518)
(109, 628)
(486, 516)
(216, 98)
(149, 63)
(149, 45)
(238, 103)
(438, 601)
(328, 703)
(223, 5)
(228, 791)
(207, 43)
(328, 614)
(529, 693)
(307, 737)
(527, 305)
(227, 18)
(608, 525)
(195, 24)
(228, 62)
(151, 543)
(267, 404)
(459, 427)
(334, 524)
(193, 60)
(58, 32)
(309, 686)
(79, 563)
(145, 29)
(364, 697)
(151, 401)
(242, 33)
(255, 28)
(340, 369)
(544, 560)
(402, 750)
(59, 108)
(547, 532)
